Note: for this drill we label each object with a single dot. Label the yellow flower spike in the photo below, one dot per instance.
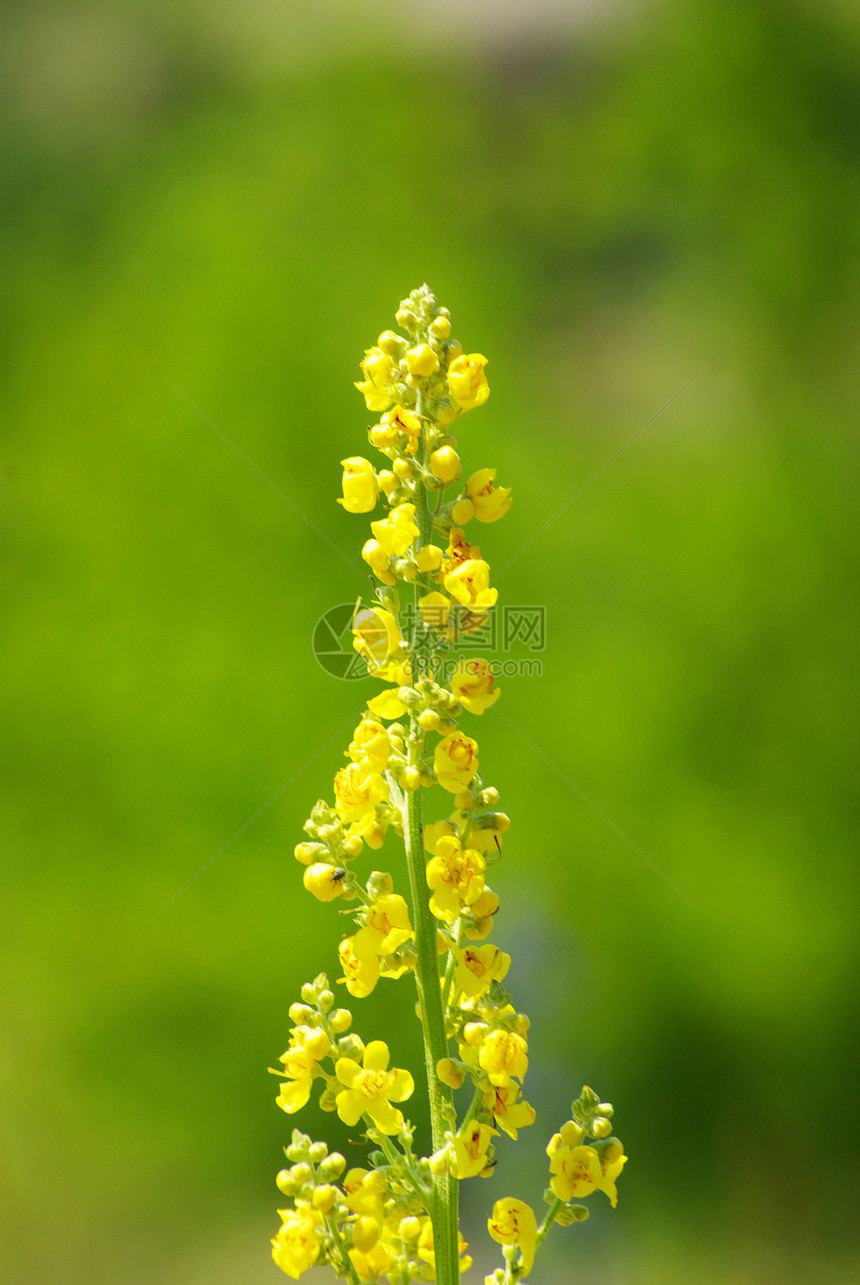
(422, 361)
(296, 1247)
(370, 1089)
(360, 485)
(376, 634)
(396, 532)
(472, 684)
(445, 464)
(478, 967)
(504, 1056)
(470, 1149)
(360, 975)
(508, 1108)
(513, 1223)
(357, 792)
(455, 877)
(455, 761)
(324, 881)
(469, 584)
(378, 371)
(467, 381)
(434, 609)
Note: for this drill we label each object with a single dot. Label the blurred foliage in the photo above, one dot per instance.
(610, 212)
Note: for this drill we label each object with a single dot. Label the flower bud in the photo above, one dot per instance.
(309, 993)
(440, 327)
(451, 1073)
(404, 468)
(410, 1228)
(324, 881)
(410, 779)
(445, 464)
(307, 853)
(490, 797)
(569, 1214)
(332, 1167)
(474, 1032)
(462, 511)
(286, 1183)
(365, 1234)
(600, 1127)
(301, 1172)
(464, 801)
(379, 884)
(325, 1001)
(422, 361)
(391, 343)
(610, 1151)
(352, 845)
(323, 1198)
(301, 1014)
(328, 1100)
(340, 1020)
(388, 481)
(428, 719)
(351, 1046)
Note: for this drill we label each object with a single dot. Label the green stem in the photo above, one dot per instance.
(403, 1162)
(443, 1206)
(348, 1273)
(547, 1222)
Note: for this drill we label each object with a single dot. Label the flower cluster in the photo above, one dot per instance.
(395, 1218)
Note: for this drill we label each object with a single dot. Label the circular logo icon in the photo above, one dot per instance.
(332, 644)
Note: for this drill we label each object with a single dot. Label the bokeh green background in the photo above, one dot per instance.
(613, 200)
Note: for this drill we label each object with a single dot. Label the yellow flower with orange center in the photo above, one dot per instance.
(467, 381)
(472, 683)
(296, 1246)
(508, 1108)
(514, 1223)
(504, 1057)
(371, 1088)
(455, 761)
(469, 584)
(357, 792)
(455, 876)
(489, 502)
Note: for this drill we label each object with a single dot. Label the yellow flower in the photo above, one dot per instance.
(377, 369)
(478, 967)
(357, 792)
(427, 1253)
(508, 1108)
(429, 558)
(307, 1046)
(462, 511)
(387, 704)
(455, 876)
(296, 1246)
(360, 485)
(370, 746)
(370, 1089)
(470, 1149)
(611, 1170)
(437, 830)
(469, 583)
(360, 974)
(377, 559)
(467, 381)
(396, 532)
(386, 927)
(364, 1190)
(576, 1170)
(472, 684)
(504, 1056)
(455, 761)
(513, 1223)
(370, 1264)
(434, 608)
(490, 504)
(376, 635)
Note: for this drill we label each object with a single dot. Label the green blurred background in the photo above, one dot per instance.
(613, 199)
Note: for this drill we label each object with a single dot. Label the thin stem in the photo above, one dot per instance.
(403, 1162)
(349, 1273)
(548, 1221)
(443, 1205)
